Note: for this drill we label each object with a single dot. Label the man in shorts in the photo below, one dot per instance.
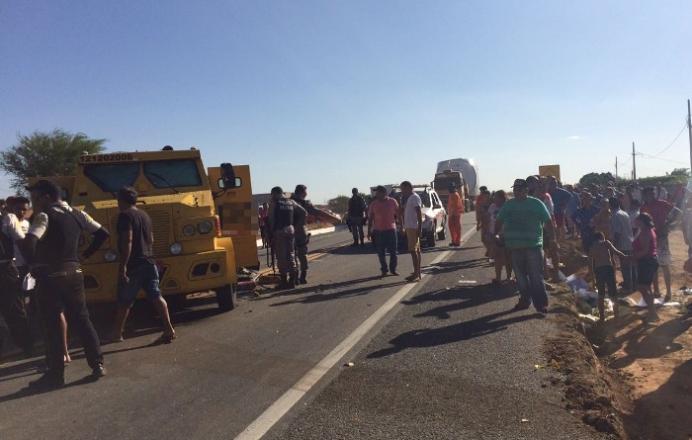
(413, 226)
(665, 216)
(137, 267)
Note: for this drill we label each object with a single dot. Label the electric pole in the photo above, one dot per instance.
(689, 132)
(634, 163)
(616, 168)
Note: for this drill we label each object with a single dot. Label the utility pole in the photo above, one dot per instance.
(634, 163)
(616, 168)
(689, 132)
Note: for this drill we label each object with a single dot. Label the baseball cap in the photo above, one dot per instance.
(519, 183)
(45, 187)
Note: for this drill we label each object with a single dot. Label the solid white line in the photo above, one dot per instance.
(283, 404)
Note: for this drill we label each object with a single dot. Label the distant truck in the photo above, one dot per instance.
(463, 173)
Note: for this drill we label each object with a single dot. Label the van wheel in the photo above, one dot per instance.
(226, 298)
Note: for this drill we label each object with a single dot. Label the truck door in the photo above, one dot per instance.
(237, 214)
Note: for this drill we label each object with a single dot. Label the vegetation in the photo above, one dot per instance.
(46, 154)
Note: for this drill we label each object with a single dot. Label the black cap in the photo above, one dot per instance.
(45, 187)
(519, 183)
(533, 178)
(277, 190)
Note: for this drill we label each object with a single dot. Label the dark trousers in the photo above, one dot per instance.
(12, 307)
(284, 247)
(302, 253)
(386, 242)
(605, 278)
(357, 230)
(528, 268)
(66, 293)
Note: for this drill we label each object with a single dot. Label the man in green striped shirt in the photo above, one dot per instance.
(521, 222)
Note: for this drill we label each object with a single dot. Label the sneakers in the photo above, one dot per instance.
(98, 371)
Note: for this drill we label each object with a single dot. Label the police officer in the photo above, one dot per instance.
(302, 236)
(11, 297)
(51, 247)
(282, 232)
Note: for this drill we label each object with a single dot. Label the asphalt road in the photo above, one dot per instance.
(447, 365)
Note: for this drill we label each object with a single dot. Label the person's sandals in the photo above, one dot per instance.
(166, 338)
(413, 277)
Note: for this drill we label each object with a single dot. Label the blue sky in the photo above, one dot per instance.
(335, 94)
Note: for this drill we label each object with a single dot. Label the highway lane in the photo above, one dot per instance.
(222, 372)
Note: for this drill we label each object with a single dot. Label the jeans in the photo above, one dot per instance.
(145, 276)
(386, 241)
(528, 268)
(629, 272)
(66, 292)
(357, 229)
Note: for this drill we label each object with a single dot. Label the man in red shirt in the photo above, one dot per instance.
(383, 216)
(665, 215)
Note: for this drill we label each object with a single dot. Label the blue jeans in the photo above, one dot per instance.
(528, 268)
(629, 272)
(144, 277)
(386, 241)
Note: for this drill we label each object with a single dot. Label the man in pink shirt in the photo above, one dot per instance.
(383, 216)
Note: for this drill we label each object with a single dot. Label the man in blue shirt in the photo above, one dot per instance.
(582, 219)
(561, 198)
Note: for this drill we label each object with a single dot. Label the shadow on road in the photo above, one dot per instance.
(317, 288)
(450, 334)
(468, 297)
(340, 294)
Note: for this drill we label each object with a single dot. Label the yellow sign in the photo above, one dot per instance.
(549, 170)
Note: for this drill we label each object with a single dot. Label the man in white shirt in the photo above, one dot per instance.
(413, 226)
(12, 306)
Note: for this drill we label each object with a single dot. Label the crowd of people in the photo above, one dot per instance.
(41, 260)
(617, 227)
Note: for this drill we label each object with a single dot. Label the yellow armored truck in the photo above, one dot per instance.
(194, 251)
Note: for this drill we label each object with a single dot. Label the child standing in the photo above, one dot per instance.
(603, 263)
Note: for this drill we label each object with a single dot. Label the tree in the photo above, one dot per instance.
(597, 179)
(46, 154)
(681, 172)
(339, 204)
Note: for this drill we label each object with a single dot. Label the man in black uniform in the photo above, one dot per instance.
(282, 213)
(302, 237)
(52, 248)
(357, 211)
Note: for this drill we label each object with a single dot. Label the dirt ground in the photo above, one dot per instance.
(649, 365)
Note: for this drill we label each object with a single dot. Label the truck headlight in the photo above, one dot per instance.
(205, 227)
(188, 230)
(110, 256)
(176, 248)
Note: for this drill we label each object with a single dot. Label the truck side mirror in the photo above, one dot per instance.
(228, 179)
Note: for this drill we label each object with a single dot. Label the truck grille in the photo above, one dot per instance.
(161, 224)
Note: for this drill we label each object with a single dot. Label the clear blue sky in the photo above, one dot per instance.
(336, 94)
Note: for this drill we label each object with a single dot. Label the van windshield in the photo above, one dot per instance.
(111, 177)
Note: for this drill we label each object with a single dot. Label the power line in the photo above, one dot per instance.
(682, 130)
(650, 156)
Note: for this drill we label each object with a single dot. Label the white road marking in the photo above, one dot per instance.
(262, 424)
